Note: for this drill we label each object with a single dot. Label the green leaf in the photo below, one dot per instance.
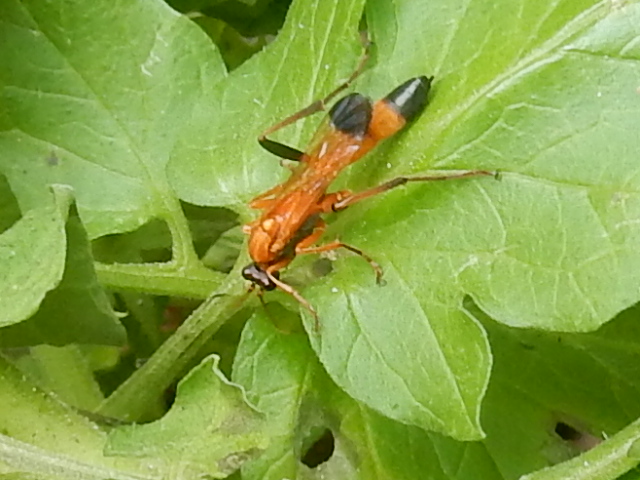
(41, 437)
(212, 177)
(398, 356)
(64, 371)
(526, 248)
(218, 161)
(551, 245)
(544, 92)
(586, 381)
(32, 253)
(607, 461)
(210, 429)
(100, 115)
(545, 246)
(77, 310)
(583, 380)
(278, 371)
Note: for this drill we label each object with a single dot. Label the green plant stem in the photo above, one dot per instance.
(160, 278)
(182, 249)
(148, 383)
(607, 461)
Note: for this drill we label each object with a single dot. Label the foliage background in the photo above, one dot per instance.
(127, 155)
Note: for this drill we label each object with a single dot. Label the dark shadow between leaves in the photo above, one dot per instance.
(9, 208)
(151, 243)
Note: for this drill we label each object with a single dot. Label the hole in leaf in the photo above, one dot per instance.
(566, 432)
(322, 267)
(579, 440)
(320, 450)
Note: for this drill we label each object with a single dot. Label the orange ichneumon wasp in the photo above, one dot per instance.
(291, 220)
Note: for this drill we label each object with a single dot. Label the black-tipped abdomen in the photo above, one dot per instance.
(410, 98)
(352, 114)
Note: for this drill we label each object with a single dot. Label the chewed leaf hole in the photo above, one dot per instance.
(320, 450)
(580, 440)
(567, 432)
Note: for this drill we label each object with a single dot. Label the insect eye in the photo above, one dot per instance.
(257, 275)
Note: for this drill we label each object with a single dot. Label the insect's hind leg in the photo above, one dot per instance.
(290, 153)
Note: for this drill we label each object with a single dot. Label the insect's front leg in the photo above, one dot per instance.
(266, 200)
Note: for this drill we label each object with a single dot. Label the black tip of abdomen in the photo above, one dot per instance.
(410, 98)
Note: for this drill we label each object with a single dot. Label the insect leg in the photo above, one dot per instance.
(290, 153)
(295, 294)
(345, 202)
(338, 244)
(265, 200)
